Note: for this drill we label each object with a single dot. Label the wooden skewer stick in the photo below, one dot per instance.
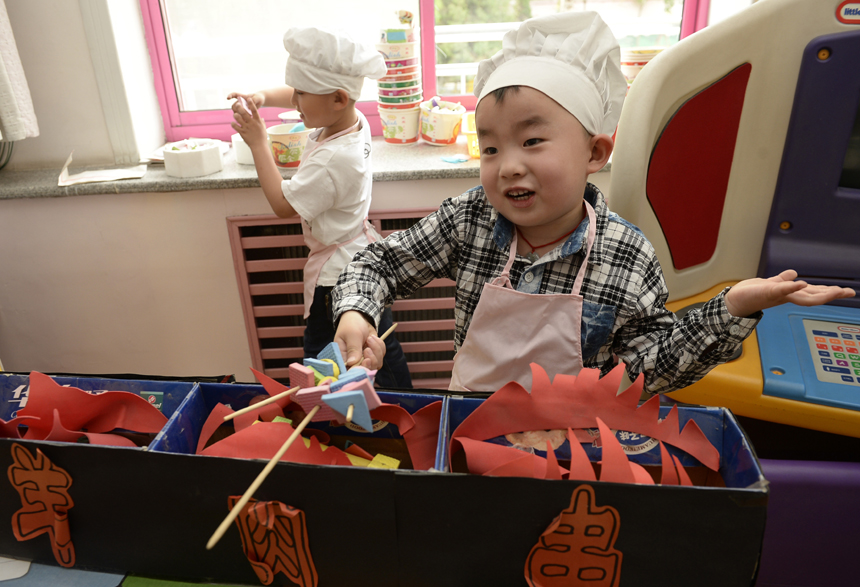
(265, 402)
(349, 412)
(259, 480)
(383, 337)
(389, 331)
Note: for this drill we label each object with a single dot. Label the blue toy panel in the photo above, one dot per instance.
(166, 395)
(811, 354)
(739, 467)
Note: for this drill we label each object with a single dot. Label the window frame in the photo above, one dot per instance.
(215, 124)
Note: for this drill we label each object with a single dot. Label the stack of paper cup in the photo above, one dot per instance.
(400, 89)
(633, 59)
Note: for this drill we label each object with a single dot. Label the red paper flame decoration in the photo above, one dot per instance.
(583, 401)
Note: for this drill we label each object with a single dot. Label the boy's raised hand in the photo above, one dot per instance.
(358, 341)
(246, 119)
(752, 295)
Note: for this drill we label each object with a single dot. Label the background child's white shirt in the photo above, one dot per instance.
(332, 192)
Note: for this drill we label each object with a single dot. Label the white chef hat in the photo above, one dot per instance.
(322, 62)
(571, 57)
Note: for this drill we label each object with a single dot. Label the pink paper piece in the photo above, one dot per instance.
(80, 410)
(366, 387)
(301, 376)
(312, 396)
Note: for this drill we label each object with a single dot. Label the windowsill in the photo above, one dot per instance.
(418, 161)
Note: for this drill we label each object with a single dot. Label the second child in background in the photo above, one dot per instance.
(331, 190)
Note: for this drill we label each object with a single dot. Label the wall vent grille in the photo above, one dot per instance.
(269, 255)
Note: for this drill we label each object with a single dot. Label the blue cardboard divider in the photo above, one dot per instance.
(15, 388)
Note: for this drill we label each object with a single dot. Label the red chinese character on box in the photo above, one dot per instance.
(45, 502)
(578, 547)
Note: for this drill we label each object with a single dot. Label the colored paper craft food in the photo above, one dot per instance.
(68, 414)
(571, 403)
(257, 436)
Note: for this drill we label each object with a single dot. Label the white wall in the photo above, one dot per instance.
(138, 283)
(57, 61)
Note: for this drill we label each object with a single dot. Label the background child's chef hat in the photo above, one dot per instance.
(572, 57)
(322, 62)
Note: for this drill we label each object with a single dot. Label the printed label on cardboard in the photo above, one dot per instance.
(156, 398)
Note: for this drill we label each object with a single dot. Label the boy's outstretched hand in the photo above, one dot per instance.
(752, 295)
(358, 341)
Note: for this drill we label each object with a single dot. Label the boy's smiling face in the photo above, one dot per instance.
(535, 160)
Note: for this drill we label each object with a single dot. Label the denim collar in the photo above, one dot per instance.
(503, 231)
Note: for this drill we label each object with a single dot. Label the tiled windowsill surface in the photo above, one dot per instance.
(417, 161)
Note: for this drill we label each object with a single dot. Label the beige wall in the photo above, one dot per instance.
(140, 283)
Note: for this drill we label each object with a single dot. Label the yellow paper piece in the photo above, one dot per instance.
(383, 462)
(356, 461)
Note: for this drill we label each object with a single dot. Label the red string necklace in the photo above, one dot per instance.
(532, 256)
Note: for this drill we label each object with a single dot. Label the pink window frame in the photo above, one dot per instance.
(215, 124)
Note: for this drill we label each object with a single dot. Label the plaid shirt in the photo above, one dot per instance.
(624, 316)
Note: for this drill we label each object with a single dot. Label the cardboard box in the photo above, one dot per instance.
(151, 512)
(668, 535)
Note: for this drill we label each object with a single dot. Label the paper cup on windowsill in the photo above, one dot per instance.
(287, 146)
(242, 150)
(400, 125)
(441, 127)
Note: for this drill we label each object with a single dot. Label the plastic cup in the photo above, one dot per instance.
(287, 146)
(400, 125)
(441, 128)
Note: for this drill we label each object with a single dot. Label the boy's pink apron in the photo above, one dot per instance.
(511, 329)
(319, 252)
